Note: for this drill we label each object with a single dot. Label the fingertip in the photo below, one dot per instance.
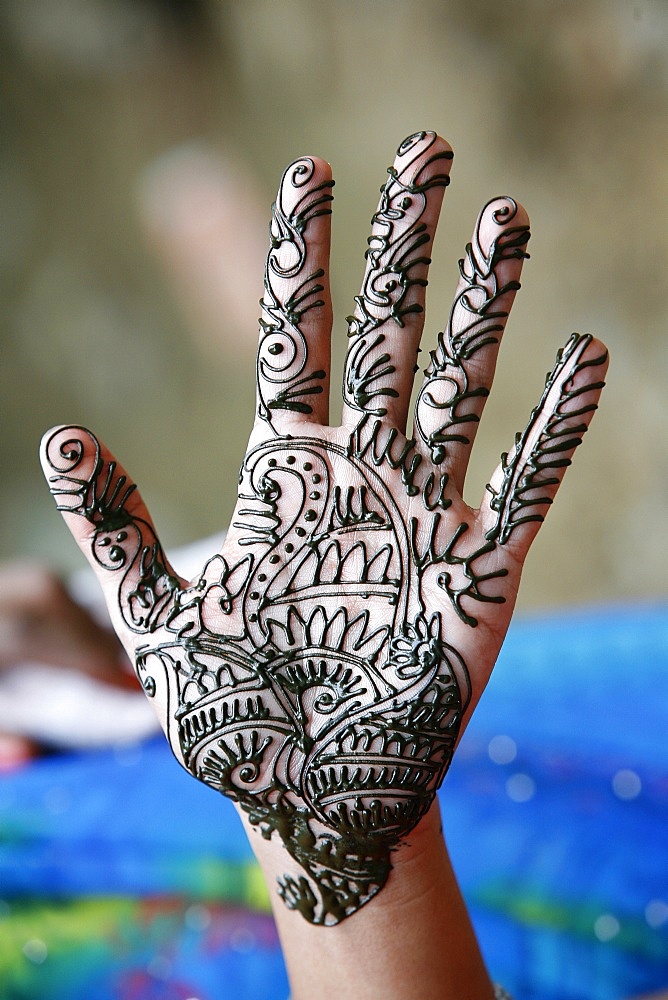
(57, 432)
(445, 145)
(423, 159)
(323, 168)
(598, 351)
(591, 355)
(64, 450)
(427, 139)
(306, 173)
(304, 198)
(591, 367)
(503, 220)
(46, 438)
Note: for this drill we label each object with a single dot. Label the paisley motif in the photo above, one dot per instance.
(311, 672)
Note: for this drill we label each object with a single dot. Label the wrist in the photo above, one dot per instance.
(413, 940)
(414, 866)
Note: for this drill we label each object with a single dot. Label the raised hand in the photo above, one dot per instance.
(320, 670)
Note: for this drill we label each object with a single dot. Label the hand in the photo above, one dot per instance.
(321, 669)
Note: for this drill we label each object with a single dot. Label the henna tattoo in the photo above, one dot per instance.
(469, 579)
(310, 672)
(330, 727)
(284, 381)
(443, 410)
(394, 267)
(555, 429)
(372, 441)
(120, 543)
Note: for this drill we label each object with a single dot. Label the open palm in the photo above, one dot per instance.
(320, 670)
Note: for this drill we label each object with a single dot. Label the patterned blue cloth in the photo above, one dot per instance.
(121, 877)
(556, 807)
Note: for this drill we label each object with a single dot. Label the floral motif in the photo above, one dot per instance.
(419, 649)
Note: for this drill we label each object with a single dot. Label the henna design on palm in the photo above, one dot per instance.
(316, 671)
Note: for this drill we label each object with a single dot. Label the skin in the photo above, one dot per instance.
(322, 668)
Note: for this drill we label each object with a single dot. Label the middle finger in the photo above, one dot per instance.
(384, 331)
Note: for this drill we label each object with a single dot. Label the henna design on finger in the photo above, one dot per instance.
(531, 475)
(543, 451)
(448, 402)
(89, 487)
(283, 379)
(312, 673)
(395, 266)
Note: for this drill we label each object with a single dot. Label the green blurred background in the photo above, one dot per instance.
(560, 104)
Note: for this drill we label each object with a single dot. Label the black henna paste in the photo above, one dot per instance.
(556, 427)
(306, 676)
(395, 265)
(446, 404)
(283, 378)
(307, 681)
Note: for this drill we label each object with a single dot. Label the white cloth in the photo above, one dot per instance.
(68, 709)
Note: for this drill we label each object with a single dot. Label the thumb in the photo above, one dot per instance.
(109, 522)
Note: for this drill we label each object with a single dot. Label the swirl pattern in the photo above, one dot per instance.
(314, 672)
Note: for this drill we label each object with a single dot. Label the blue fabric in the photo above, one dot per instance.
(121, 876)
(562, 851)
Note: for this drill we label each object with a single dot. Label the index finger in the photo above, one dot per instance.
(295, 327)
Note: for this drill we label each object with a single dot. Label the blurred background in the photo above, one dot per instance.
(141, 146)
(141, 143)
